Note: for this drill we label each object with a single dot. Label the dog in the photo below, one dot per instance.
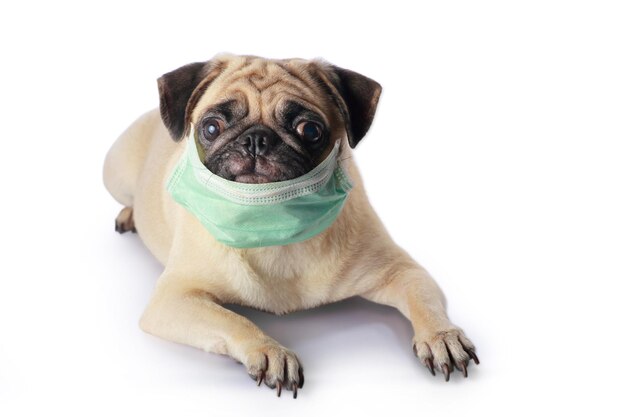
(254, 122)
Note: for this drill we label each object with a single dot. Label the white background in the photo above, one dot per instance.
(496, 159)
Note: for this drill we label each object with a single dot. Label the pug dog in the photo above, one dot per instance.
(257, 122)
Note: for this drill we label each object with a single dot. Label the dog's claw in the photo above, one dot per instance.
(295, 390)
(463, 369)
(300, 378)
(124, 221)
(279, 388)
(446, 371)
(429, 365)
(260, 378)
(473, 356)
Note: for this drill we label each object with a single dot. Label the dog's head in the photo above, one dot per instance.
(259, 120)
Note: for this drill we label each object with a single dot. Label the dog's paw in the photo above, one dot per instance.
(275, 365)
(124, 221)
(444, 350)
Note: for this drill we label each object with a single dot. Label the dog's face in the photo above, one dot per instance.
(257, 120)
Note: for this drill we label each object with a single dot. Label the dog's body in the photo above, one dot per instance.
(355, 256)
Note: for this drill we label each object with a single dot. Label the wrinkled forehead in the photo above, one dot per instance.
(262, 86)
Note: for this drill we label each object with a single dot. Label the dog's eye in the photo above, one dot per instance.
(309, 131)
(211, 128)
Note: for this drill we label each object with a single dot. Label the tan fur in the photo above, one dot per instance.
(355, 256)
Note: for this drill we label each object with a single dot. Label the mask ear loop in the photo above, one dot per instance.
(340, 154)
(191, 147)
(343, 166)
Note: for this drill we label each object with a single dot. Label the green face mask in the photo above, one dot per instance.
(254, 215)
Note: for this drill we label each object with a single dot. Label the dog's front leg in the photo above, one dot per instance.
(437, 342)
(183, 314)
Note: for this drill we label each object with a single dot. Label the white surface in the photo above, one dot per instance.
(496, 159)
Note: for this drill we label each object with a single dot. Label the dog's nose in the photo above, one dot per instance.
(258, 140)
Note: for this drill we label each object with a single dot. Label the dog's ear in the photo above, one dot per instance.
(180, 90)
(356, 96)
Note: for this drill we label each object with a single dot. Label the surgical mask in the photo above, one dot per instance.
(245, 215)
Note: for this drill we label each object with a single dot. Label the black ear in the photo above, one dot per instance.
(357, 99)
(179, 92)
